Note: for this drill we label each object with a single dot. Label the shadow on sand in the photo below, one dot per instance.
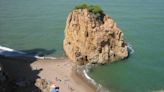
(20, 74)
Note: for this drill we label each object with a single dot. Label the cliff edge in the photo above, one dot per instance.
(92, 38)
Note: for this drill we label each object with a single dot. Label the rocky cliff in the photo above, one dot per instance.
(93, 39)
(5, 86)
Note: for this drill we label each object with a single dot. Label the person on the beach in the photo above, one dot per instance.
(53, 87)
(53, 90)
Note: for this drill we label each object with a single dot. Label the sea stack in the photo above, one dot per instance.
(93, 37)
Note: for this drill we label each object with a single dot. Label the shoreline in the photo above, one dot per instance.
(81, 72)
(79, 76)
(50, 70)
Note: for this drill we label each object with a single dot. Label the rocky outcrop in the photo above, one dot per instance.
(93, 39)
(4, 81)
(43, 85)
(3, 76)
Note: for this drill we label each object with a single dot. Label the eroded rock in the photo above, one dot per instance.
(93, 39)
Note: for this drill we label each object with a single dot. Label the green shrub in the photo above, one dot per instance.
(81, 6)
(91, 8)
(95, 9)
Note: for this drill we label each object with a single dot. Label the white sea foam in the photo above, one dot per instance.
(131, 50)
(44, 57)
(5, 51)
(88, 77)
(100, 88)
(8, 52)
(2, 49)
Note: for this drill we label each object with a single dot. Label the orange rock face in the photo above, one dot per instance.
(93, 39)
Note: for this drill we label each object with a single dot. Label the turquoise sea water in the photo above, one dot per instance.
(37, 26)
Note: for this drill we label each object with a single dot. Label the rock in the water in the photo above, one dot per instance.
(93, 39)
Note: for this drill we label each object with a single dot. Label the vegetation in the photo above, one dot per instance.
(92, 8)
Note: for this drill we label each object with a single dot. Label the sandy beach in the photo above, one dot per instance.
(59, 71)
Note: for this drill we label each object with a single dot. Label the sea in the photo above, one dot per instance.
(37, 27)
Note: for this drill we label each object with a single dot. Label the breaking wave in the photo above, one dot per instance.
(8, 52)
(130, 49)
(84, 71)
